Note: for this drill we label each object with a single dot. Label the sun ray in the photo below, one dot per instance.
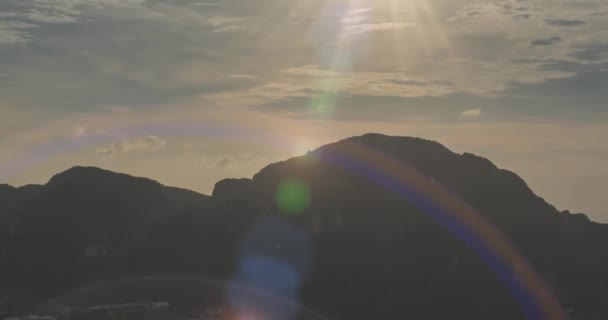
(433, 32)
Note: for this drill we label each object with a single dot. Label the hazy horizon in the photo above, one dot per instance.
(208, 190)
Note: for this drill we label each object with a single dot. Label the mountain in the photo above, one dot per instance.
(82, 212)
(367, 227)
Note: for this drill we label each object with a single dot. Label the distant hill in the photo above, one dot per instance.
(350, 229)
(49, 230)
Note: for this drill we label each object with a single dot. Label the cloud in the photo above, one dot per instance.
(181, 56)
(219, 21)
(205, 4)
(149, 143)
(336, 27)
(260, 94)
(592, 52)
(355, 29)
(79, 131)
(313, 81)
(564, 22)
(547, 41)
(242, 76)
(513, 9)
(411, 82)
(224, 162)
(21, 18)
(53, 17)
(185, 41)
(230, 28)
(359, 11)
(12, 32)
(522, 16)
(407, 82)
(472, 113)
(222, 24)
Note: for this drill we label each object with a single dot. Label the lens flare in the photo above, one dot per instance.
(322, 105)
(512, 269)
(270, 274)
(274, 257)
(293, 196)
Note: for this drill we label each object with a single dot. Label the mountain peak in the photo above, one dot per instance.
(102, 180)
(373, 136)
(395, 144)
(79, 170)
(473, 178)
(81, 174)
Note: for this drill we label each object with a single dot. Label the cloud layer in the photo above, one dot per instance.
(136, 53)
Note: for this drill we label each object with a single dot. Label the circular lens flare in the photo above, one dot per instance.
(293, 197)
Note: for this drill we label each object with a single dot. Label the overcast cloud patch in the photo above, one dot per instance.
(564, 22)
(547, 41)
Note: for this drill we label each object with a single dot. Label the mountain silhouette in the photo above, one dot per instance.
(357, 229)
(47, 230)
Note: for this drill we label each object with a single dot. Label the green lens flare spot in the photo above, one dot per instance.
(322, 105)
(292, 197)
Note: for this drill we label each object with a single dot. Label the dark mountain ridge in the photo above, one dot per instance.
(359, 249)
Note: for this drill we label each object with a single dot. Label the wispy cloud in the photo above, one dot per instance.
(513, 9)
(242, 76)
(14, 31)
(205, 4)
(222, 24)
(472, 113)
(564, 22)
(150, 143)
(547, 41)
(312, 80)
(591, 52)
(355, 29)
(361, 20)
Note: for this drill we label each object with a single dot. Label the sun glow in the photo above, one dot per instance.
(303, 147)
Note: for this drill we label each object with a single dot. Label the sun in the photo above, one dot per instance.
(303, 147)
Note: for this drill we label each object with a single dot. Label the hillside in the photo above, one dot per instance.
(367, 227)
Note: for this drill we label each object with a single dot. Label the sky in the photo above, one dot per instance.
(189, 92)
